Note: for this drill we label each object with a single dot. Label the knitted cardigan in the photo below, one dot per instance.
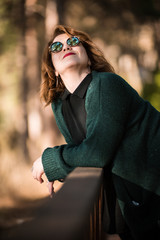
(121, 127)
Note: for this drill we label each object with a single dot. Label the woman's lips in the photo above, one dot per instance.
(68, 54)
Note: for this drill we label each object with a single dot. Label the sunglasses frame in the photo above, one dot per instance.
(63, 44)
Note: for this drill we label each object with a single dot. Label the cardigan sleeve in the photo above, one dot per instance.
(106, 121)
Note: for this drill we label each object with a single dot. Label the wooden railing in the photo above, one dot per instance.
(74, 213)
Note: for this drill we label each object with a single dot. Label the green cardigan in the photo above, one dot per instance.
(121, 127)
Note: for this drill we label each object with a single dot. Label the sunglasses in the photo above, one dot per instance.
(57, 46)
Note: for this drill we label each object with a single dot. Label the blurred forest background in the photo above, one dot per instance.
(127, 31)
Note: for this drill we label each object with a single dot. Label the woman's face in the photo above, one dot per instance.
(69, 58)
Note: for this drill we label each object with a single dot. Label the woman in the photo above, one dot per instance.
(106, 124)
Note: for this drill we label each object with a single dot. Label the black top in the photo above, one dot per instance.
(73, 109)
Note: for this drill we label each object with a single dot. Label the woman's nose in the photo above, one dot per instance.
(66, 47)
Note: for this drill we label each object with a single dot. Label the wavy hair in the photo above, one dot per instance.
(51, 87)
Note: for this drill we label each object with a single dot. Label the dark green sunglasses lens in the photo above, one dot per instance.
(56, 47)
(73, 41)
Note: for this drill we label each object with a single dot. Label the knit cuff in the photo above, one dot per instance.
(54, 166)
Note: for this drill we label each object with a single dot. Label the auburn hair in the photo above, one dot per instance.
(51, 87)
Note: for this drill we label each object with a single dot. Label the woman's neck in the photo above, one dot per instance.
(72, 79)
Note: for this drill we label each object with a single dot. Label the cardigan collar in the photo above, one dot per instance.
(80, 90)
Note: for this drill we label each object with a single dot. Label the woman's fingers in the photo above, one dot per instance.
(37, 174)
(50, 188)
(39, 177)
(37, 170)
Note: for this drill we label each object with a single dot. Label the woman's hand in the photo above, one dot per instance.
(38, 171)
(50, 188)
